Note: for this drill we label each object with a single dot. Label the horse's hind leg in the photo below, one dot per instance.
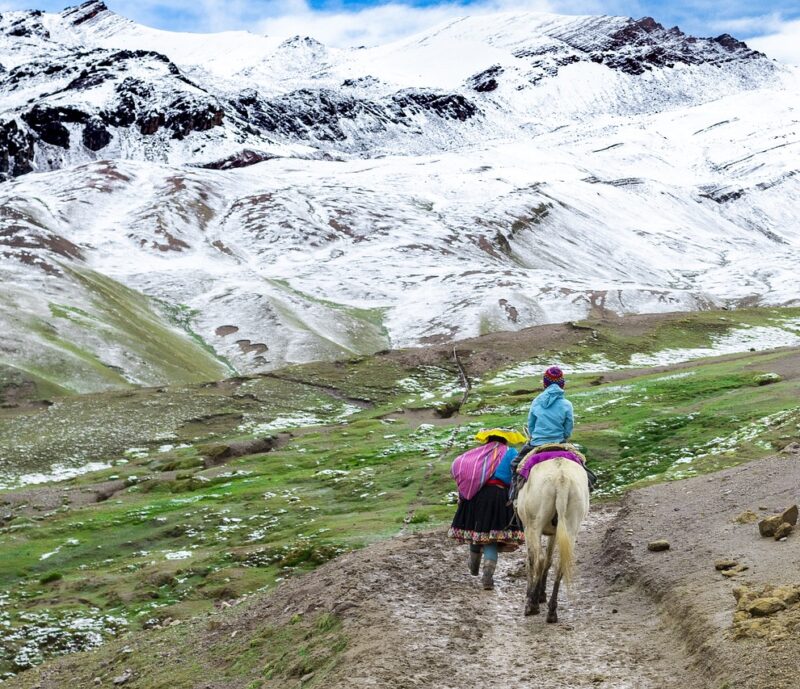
(542, 588)
(552, 606)
(548, 560)
(534, 562)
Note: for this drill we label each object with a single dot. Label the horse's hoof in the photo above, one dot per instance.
(531, 610)
(552, 618)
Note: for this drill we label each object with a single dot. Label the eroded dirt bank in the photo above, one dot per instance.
(413, 617)
(709, 519)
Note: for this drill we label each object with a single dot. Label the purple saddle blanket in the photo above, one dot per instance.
(540, 457)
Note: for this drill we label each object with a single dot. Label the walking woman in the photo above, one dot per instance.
(484, 518)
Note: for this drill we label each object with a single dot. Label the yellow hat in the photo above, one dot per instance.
(512, 437)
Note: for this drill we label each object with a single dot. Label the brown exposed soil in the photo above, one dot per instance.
(701, 517)
(247, 346)
(219, 244)
(493, 351)
(215, 454)
(429, 624)
(787, 367)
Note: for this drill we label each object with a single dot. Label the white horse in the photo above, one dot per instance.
(557, 491)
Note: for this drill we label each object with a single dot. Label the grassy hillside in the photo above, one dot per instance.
(116, 338)
(168, 527)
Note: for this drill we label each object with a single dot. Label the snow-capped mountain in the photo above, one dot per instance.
(280, 200)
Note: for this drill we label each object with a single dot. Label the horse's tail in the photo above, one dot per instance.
(564, 539)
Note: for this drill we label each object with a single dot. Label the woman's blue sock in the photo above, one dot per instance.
(490, 552)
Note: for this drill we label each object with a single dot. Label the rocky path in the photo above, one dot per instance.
(429, 624)
(634, 619)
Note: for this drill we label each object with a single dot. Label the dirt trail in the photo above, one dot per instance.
(429, 624)
(634, 619)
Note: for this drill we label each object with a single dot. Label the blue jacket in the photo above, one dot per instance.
(550, 419)
(503, 471)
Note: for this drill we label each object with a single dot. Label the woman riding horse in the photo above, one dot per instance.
(551, 419)
(555, 498)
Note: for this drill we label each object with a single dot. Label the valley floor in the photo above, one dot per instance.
(405, 613)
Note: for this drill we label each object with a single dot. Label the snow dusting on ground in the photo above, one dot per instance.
(58, 472)
(733, 342)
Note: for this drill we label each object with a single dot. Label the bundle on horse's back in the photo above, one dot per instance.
(475, 467)
(542, 456)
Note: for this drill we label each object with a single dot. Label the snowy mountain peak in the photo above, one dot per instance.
(302, 42)
(644, 44)
(87, 11)
(126, 91)
(281, 200)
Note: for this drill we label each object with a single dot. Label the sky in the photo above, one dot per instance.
(772, 26)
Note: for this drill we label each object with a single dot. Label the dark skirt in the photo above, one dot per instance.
(487, 519)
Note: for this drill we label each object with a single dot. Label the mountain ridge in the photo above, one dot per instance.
(284, 201)
(299, 94)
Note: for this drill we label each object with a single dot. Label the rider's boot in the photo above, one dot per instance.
(592, 478)
(488, 574)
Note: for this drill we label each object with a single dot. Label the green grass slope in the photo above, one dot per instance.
(164, 533)
(105, 336)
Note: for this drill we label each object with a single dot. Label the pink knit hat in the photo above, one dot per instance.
(554, 375)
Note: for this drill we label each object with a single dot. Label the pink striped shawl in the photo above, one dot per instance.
(475, 467)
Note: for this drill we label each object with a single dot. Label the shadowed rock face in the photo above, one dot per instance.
(637, 47)
(188, 115)
(95, 135)
(243, 158)
(48, 123)
(485, 81)
(16, 150)
(323, 114)
(84, 12)
(645, 44)
(27, 26)
(150, 107)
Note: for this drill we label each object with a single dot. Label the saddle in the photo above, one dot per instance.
(519, 480)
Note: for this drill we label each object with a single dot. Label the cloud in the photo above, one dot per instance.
(335, 25)
(380, 23)
(749, 26)
(774, 34)
(364, 26)
(782, 44)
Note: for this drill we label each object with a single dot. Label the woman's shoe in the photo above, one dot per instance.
(488, 574)
(474, 562)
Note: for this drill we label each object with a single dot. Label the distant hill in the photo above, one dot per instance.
(178, 207)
